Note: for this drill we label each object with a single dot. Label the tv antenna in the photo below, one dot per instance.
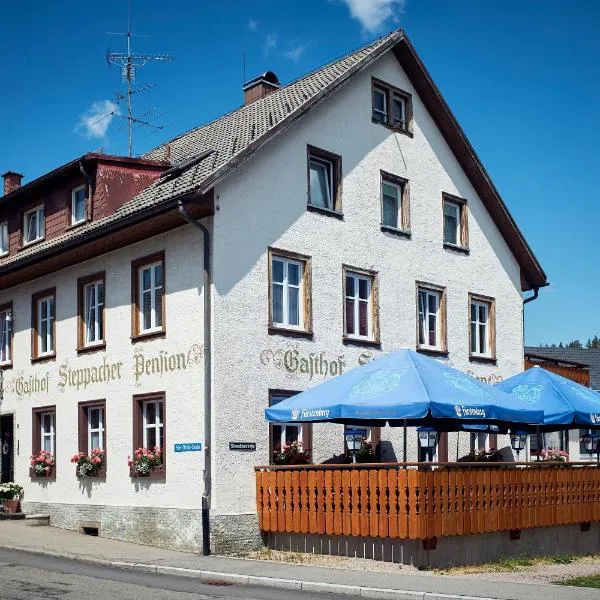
(129, 62)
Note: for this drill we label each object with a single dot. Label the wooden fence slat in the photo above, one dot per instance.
(384, 503)
(355, 486)
(347, 504)
(328, 501)
(312, 502)
(393, 503)
(403, 515)
(363, 477)
(338, 503)
(412, 509)
(305, 499)
(320, 501)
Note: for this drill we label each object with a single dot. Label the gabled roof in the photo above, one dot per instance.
(588, 357)
(207, 154)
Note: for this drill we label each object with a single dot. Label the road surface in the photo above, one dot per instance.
(25, 576)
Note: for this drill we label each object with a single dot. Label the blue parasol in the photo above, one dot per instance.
(565, 403)
(405, 388)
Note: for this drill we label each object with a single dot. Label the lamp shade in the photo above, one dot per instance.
(518, 441)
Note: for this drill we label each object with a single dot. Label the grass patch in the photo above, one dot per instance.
(511, 563)
(589, 581)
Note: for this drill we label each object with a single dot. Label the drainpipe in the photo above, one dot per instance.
(536, 291)
(88, 208)
(207, 381)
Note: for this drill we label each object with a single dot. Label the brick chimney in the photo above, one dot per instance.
(12, 181)
(260, 86)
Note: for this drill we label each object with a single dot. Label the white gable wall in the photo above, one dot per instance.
(264, 204)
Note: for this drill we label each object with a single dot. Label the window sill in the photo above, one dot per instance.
(78, 224)
(44, 358)
(406, 132)
(404, 233)
(432, 351)
(3, 254)
(159, 473)
(6, 365)
(325, 211)
(486, 360)
(297, 333)
(45, 476)
(91, 348)
(141, 337)
(352, 341)
(455, 248)
(100, 475)
(32, 243)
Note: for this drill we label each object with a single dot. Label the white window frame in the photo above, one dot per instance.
(4, 242)
(75, 221)
(423, 317)
(158, 425)
(486, 305)
(400, 189)
(153, 290)
(457, 211)
(284, 429)
(49, 318)
(356, 300)
(286, 286)
(91, 430)
(329, 166)
(403, 124)
(51, 435)
(97, 308)
(385, 112)
(40, 224)
(6, 336)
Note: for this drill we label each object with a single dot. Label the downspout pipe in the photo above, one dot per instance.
(536, 292)
(206, 495)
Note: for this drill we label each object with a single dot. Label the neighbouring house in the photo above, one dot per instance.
(320, 224)
(579, 364)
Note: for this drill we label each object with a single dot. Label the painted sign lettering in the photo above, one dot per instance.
(165, 362)
(82, 378)
(188, 447)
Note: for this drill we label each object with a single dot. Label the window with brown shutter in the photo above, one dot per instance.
(281, 434)
(148, 294)
(43, 435)
(395, 204)
(91, 292)
(43, 325)
(92, 428)
(150, 426)
(455, 223)
(360, 305)
(431, 319)
(324, 181)
(482, 328)
(391, 107)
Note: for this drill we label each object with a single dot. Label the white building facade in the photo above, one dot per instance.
(364, 225)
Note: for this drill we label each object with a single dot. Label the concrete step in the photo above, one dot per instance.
(37, 520)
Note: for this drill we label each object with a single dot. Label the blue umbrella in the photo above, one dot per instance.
(404, 387)
(564, 402)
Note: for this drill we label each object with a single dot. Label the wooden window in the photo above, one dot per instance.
(6, 334)
(281, 434)
(482, 327)
(44, 430)
(90, 300)
(92, 428)
(33, 225)
(150, 425)
(78, 205)
(3, 238)
(324, 181)
(395, 208)
(431, 318)
(148, 296)
(43, 318)
(391, 106)
(361, 310)
(289, 291)
(456, 229)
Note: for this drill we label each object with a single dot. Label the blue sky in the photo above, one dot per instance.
(523, 79)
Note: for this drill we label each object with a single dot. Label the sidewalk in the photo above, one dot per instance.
(58, 542)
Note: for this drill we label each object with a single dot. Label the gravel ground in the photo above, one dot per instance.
(543, 571)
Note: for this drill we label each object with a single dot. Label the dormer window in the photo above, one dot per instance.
(391, 107)
(33, 225)
(78, 201)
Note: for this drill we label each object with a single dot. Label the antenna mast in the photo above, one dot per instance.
(129, 62)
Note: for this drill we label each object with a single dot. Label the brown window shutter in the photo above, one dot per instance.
(307, 439)
(492, 328)
(443, 321)
(405, 213)
(307, 285)
(464, 225)
(443, 447)
(375, 309)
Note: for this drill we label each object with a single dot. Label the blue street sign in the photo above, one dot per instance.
(189, 447)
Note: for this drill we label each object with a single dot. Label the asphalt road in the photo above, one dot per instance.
(25, 576)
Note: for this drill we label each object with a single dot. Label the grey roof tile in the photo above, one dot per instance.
(584, 356)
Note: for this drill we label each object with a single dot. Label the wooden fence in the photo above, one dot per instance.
(406, 501)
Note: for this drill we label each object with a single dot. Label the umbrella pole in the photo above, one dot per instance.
(404, 447)
(538, 437)
(457, 443)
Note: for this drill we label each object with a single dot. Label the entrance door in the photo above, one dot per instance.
(7, 448)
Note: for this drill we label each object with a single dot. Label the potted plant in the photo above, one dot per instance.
(551, 455)
(88, 466)
(144, 461)
(10, 496)
(291, 454)
(365, 453)
(42, 464)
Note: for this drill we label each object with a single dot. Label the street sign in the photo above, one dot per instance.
(245, 446)
(189, 447)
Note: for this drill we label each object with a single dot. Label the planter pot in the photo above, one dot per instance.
(11, 506)
(43, 475)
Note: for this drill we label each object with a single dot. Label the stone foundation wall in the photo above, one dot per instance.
(450, 551)
(172, 528)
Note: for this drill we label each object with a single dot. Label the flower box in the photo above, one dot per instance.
(91, 465)
(42, 464)
(146, 463)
